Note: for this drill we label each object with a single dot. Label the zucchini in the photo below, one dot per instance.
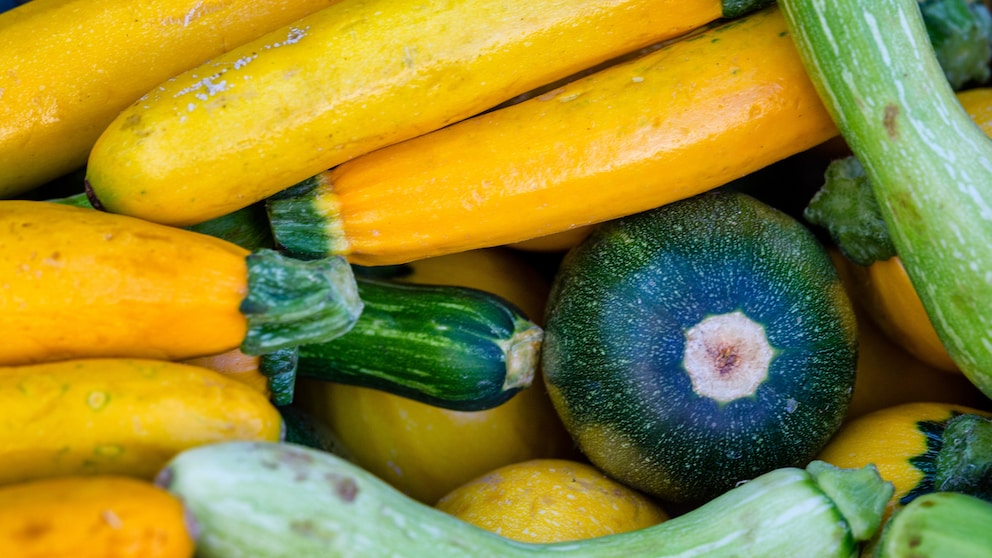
(84, 283)
(92, 517)
(453, 347)
(275, 499)
(905, 442)
(119, 416)
(698, 345)
(938, 525)
(928, 163)
(107, 54)
(628, 138)
(349, 79)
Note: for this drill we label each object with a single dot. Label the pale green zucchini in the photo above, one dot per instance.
(263, 500)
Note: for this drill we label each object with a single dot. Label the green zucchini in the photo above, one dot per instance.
(938, 525)
(452, 347)
(263, 500)
(929, 164)
(698, 345)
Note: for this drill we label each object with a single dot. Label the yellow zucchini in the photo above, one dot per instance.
(119, 416)
(675, 122)
(77, 282)
(69, 66)
(346, 80)
(92, 517)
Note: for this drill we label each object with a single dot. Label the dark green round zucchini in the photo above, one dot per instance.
(452, 347)
(698, 345)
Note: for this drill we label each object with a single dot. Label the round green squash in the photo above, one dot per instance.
(698, 345)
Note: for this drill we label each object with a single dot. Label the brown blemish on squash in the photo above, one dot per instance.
(889, 120)
(34, 530)
(345, 487)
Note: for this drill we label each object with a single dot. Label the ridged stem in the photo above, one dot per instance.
(291, 302)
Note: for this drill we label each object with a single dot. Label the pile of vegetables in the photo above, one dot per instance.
(367, 277)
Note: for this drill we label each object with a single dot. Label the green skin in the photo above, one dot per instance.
(266, 500)
(930, 166)
(939, 524)
(447, 346)
(615, 335)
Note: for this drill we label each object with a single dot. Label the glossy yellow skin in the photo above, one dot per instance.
(426, 451)
(671, 124)
(344, 81)
(76, 282)
(888, 438)
(887, 375)
(92, 517)
(551, 500)
(119, 416)
(71, 65)
(885, 290)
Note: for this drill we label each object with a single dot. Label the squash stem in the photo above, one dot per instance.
(964, 462)
(291, 302)
(305, 220)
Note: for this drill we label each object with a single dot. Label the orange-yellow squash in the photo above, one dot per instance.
(76, 282)
(92, 517)
(551, 500)
(675, 122)
(346, 80)
(899, 440)
(426, 451)
(119, 416)
(235, 364)
(69, 66)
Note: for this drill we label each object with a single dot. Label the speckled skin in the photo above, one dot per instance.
(615, 337)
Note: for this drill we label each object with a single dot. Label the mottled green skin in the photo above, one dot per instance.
(615, 336)
(442, 345)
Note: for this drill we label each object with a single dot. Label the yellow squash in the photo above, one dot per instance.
(92, 517)
(70, 66)
(426, 451)
(119, 416)
(77, 282)
(899, 441)
(236, 365)
(551, 500)
(678, 121)
(346, 80)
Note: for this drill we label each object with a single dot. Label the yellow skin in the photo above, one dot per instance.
(119, 416)
(889, 437)
(344, 81)
(238, 366)
(69, 66)
(77, 282)
(671, 124)
(551, 500)
(92, 517)
(426, 451)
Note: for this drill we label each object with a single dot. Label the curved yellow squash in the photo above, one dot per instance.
(92, 517)
(344, 81)
(69, 66)
(77, 282)
(119, 416)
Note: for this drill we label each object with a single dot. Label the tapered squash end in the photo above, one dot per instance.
(292, 302)
(305, 219)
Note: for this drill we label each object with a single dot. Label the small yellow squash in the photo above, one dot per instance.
(119, 416)
(902, 441)
(92, 517)
(551, 500)
(69, 66)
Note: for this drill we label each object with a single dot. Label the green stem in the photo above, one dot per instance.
(292, 302)
(929, 164)
(964, 462)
